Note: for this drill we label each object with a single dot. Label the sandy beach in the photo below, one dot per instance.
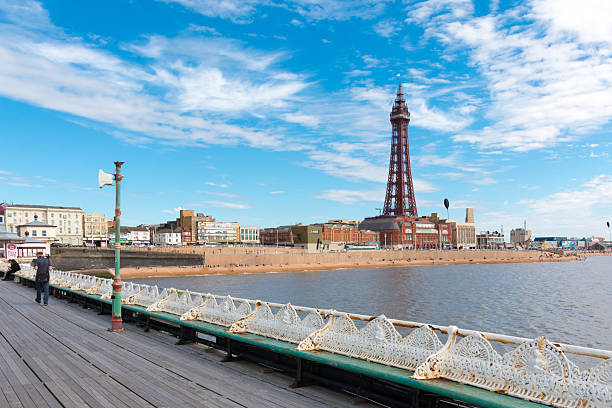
(432, 258)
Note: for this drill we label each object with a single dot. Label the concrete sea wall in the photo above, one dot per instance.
(262, 260)
(71, 259)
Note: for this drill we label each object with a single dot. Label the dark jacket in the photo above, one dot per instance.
(10, 274)
(14, 267)
(42, 271)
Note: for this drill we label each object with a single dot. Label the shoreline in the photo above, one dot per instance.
(155, 272)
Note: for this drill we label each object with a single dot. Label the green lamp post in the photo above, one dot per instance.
(103, 180)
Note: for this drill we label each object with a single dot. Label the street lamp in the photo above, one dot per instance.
(105, 179)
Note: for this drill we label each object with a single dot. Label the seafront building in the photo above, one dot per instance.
(95, 230)
(166, 237)
(334, 235)
(217, 232)
(38, 230)
(549, 242)
(68, 220)
(279, 236)
(338, 234)
(490, 240)
(249, 235)
(139, 236)
(463, 233)
(8, 243)
(187, 224)
(520, 237)
(410, 232)
(124, 236)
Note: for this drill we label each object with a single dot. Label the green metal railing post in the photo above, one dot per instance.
(116, 321)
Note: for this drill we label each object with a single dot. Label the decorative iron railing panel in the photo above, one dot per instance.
(535, 370)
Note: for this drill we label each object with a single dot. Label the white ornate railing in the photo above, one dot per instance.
(536, 369)
(225, 313)
(285, 325)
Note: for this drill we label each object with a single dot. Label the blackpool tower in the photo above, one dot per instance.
(399, 200)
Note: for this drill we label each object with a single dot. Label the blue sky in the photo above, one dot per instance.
(274, 112)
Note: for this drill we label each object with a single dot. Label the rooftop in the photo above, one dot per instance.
(37, 223)
(9, 236)
(39, 206)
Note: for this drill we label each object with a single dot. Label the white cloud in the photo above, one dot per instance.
(353, 196)
(213, 184)
(277, 192)
(235, 10)
(546, 87)
(590, 20)
(240, 11)
(186, 91)
(434, 11)
(576, 203)
(27, 13)
(304, 120)
(174, 210)
(576, 211)
(482, 181)
(221, 194)
(387, 28)
(371, 61)
(346, 196)
(346, 166)
(358, 72)
(222, 204)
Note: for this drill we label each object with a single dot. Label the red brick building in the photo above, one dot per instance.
(280, 235)
(409, 232)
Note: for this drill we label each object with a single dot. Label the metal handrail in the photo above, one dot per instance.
(500, 338)
(490, 336)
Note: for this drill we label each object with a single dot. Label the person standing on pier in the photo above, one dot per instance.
(42, 266)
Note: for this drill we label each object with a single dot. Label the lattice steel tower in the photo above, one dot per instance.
(399, 199)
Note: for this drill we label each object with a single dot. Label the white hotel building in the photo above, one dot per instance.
(68, 220)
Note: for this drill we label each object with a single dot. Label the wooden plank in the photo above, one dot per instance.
(82, 364)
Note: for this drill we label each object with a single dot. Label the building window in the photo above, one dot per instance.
(26, 214)
(44, 233)
(69, 230)
(34, 233)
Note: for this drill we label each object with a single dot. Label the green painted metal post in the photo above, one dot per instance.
(116, 321)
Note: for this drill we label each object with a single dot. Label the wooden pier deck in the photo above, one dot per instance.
(63, 356)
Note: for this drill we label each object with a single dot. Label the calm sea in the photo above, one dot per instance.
(569, 302)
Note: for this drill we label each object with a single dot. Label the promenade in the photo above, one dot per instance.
(63, 356)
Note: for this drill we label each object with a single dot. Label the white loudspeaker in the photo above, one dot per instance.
(105, 179)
